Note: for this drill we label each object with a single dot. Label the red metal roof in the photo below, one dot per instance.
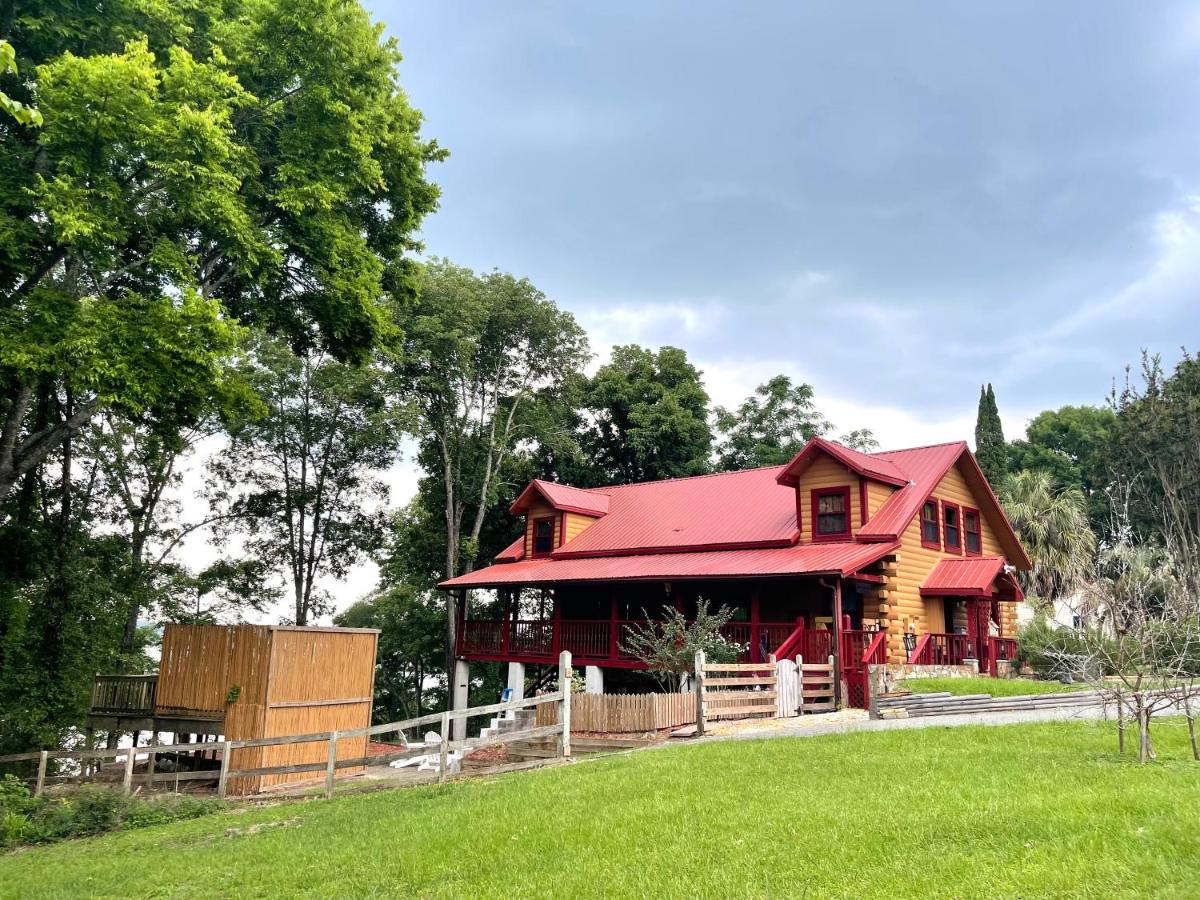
(563, 496)
(971, 576)
(732, 509)
(925, 467)
(512, 552)
(800, 559)
(869, 466)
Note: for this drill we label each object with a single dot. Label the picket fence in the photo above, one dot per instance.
(624, 712)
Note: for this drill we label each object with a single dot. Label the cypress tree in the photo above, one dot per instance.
(990, 449)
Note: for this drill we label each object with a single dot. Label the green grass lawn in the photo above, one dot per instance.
(997, 687)
(1028, 810)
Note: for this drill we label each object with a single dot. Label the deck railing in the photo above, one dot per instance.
(940, 649)
(999, 650)
(604, 639)
(124, 695)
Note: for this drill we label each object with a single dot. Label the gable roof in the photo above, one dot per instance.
(979, 576)
(563, 497)
(842, 558)
(875, 467)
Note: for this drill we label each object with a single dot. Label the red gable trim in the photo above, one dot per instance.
(860, 463)
(562, 497)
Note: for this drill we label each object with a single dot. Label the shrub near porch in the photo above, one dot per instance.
(1031, 810)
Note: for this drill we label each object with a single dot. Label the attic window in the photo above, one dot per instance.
(971, 531)
(930, 530)
(543, 537)
(951, 527)
(831, 513)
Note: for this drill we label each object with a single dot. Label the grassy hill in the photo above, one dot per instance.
(1027, 810)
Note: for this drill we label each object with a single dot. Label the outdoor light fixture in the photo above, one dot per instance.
(910, 642)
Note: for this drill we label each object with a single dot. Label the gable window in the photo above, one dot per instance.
(543, 537)
(930, 527)
(951, 527)
(971, 532)
(831, 513)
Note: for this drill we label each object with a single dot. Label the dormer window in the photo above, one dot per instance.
(543, 537)
(930, 527)
(951, 527)
(831, 513)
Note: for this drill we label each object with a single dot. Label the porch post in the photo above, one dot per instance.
(613, 632)
(556, 631)
(755, 609)
(505, 626)
(837, 643)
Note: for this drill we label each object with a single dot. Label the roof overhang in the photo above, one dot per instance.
(801, 559)
(860, 463)
(987, 577)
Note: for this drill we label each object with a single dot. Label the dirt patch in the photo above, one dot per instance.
(293, 822)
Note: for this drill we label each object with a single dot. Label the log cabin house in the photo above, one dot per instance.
(241, 682)
(898, 556)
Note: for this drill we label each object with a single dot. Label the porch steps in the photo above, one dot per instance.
(944, 704)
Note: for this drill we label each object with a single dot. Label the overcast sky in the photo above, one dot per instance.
(893, 202)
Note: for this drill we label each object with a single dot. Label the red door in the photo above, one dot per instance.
(979, 616)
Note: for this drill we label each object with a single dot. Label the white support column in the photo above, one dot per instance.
(593, 680)
(516, 684)
(458, 698)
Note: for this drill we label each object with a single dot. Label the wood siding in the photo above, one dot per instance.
(576, 523)
(903, 606)
(826, 473)
(287, 681)
(876, 495)
(542, 511)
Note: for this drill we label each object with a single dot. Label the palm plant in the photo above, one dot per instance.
(1053, 525)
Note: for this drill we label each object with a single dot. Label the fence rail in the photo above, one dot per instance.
(560, 698)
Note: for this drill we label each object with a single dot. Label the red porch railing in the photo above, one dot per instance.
(1000, 648)
(939, 649)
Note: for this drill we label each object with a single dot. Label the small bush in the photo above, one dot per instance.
(1048, 649)
(25, 819)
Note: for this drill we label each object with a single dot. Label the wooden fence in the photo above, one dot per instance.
(734, 690)
(624, 712)
(817, 680)
(561, 699)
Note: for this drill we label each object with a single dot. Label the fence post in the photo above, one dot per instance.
(41, 776)
(800, 683)
(127, 783)
(331, 764)
(226, 755)
(564, 685)
(700, 692)
(444, 748)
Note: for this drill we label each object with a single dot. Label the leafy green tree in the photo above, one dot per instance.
(770, 427)
(301, 483)
(25, 115)
(1053, 526)
(409, 679)
(1071, 445)
(647, 417)
(481, 354)
(250, 160)
(990, 449)
(1155, 460)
